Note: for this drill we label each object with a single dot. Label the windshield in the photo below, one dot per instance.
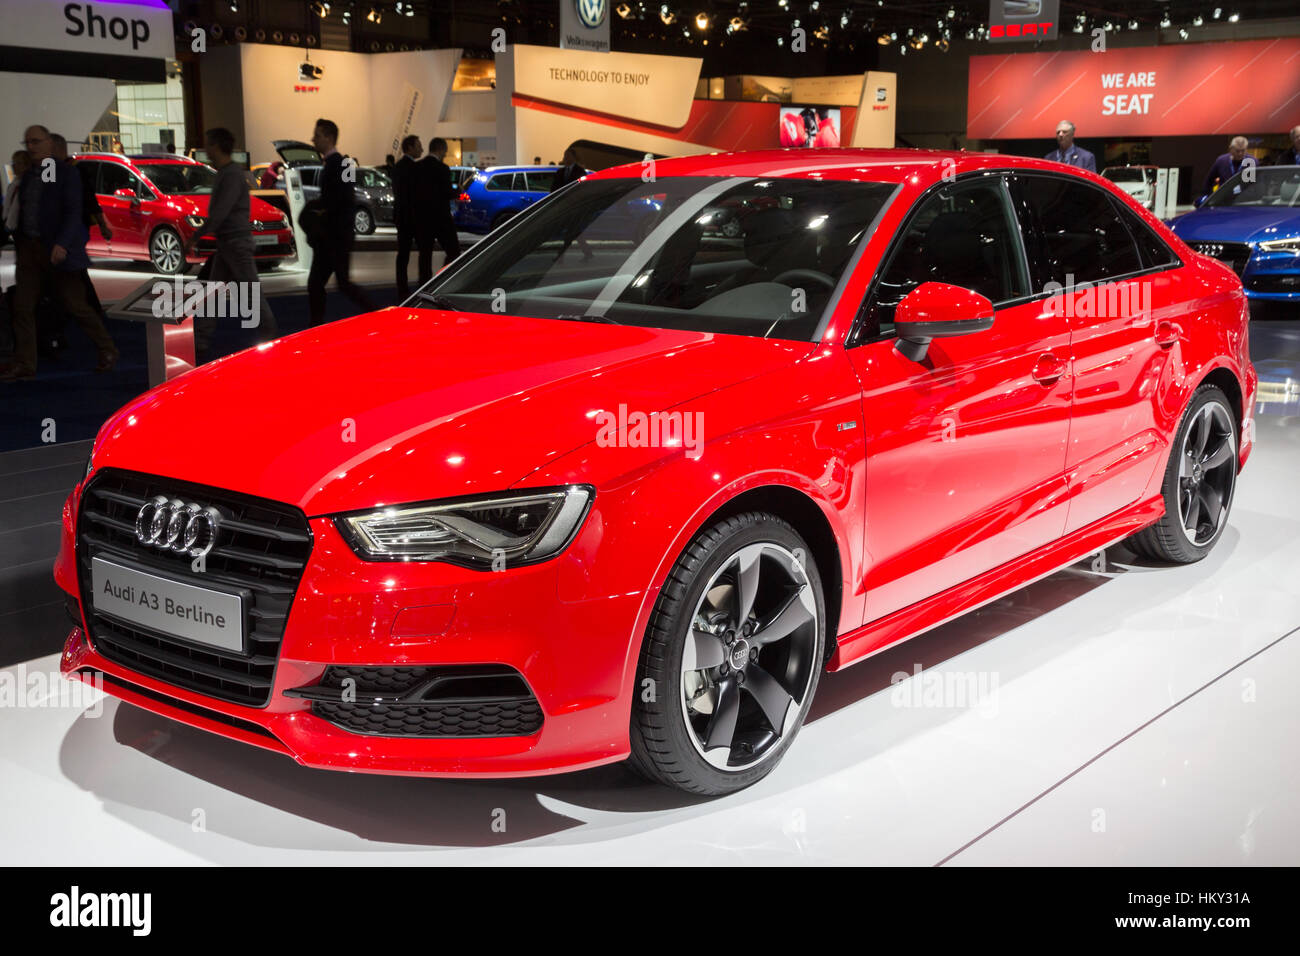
(1276, 186)
(1125, 175)
(180, 179)
(744, 256)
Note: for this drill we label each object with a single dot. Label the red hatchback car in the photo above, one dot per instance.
(606, 489)
(153, 203)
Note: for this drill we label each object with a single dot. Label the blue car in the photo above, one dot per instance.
(1253, 226)
(500, 192)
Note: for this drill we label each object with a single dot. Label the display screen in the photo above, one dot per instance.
(809, 126)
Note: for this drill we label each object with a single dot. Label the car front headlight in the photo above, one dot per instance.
(497, 531)
(1281, 245)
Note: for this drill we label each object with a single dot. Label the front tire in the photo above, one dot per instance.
(167, 252)
(1199, 482)
(363, 222)
(731, 658)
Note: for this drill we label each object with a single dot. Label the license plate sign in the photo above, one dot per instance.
(186, 611)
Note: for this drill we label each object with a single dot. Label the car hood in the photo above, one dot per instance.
(1238, 223)
(411, 405)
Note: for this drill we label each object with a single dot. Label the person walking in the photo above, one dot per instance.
(332, 252)
(410, 189)
(228, 221)
(1067, 152)
(570, 172)
(51, 242)
(1291, 156)
(441, 190)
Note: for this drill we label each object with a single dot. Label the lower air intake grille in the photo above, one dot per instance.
(437, 701)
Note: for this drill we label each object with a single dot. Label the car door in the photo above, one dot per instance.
(88, 170)
(539, 183)
(125, 215)
(966, 448)
(1122, 313)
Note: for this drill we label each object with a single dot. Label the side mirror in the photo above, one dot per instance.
(935, 310)
(126, 192)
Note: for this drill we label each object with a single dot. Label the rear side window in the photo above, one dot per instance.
(1155, 254)
(541, 182)
(1075, 232)
(502, 181)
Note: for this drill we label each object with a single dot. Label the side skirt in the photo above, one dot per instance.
(876, 636)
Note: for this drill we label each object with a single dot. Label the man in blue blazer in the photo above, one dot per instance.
(1229, 164)
(1068, 153)
(51, 245)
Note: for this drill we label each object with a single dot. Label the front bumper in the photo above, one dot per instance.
(571, 649)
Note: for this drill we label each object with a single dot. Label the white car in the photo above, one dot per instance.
(1138, 181)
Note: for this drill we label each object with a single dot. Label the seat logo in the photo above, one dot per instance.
(170, 524)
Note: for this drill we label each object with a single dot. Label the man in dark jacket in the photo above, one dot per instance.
(411, 195)
(570, 172)
(442, 189)
(1292, 156)
(51, 239)
(332, 254)
(1229, 164)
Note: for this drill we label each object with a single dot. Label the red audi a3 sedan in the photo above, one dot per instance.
(153, 204)
(611, 488)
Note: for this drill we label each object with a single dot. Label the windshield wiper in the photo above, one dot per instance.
(589, 317)
(440, 301)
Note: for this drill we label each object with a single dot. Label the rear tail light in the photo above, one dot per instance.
(463, 197)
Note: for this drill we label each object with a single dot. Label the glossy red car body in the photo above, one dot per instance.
(1063, 429)
(135, 221)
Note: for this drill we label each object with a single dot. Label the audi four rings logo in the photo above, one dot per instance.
(180, 526)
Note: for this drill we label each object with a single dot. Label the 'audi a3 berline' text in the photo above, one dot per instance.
(619, 485)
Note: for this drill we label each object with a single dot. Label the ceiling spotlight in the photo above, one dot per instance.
(667, 16)
(886, 38)
(942, 44)
(374, 16)
(1182, 32)
(409, 11)
(970, 33)
(1218, 12)
(234, 6)
(1132, 24)
(1164, 22)
(347, 16)
(735, 25)
(1078, 27)
(952, 13)
(1198, 20)
(814, 5)
(902, 49)
(1234, 16)
(844, 20)
(623, 10)
(823, 32)
(321, 10)
(917, 42)
(1108, 26)
(701, 21)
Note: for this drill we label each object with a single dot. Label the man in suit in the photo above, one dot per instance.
(410, 189)
(51, 241)
(441, 190)
(333, 253)
(1067, 152)
(1229, 164)
(570, 172)
(1292, 156)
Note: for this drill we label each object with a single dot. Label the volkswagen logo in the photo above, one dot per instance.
(591, 12)
(170, 524)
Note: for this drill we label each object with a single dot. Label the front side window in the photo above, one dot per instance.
(744, 256)
(181, 179)
(963, 235)
(1076, 232)
(115, 176)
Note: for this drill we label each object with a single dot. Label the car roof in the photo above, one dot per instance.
(163, 158)
(518, 169)
(870, 165)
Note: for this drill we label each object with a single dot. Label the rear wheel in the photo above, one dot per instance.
(1198, 484)
(731, 658)
(502, 218)
(363, 222)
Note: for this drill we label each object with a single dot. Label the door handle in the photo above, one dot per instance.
(1048, 368)
(1167, 333)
